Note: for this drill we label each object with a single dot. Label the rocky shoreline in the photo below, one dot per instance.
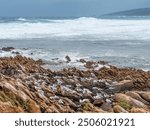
(26, 86)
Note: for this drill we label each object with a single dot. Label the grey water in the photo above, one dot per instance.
(122, 42)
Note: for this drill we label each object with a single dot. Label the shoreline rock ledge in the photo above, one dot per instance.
(25, 86)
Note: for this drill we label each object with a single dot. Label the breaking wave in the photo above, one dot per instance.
(80, 29)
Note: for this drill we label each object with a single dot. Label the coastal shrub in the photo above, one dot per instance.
(5, 98)
(125, 104)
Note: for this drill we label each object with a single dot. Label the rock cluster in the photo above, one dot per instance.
(7, 48)
(25, 86)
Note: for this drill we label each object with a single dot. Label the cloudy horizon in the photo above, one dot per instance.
(66, 8)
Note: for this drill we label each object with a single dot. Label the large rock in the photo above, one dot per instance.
(7, 107)
(32, 107)
(138, 110)
(7, 48)
(148, 83)
(68, 59)
(119, 109)
(145, 96)
(120, 86)
(107, 107)
(128, 102)
(136, 96)
(98, 102)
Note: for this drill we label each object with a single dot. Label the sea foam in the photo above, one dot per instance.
(80, 29)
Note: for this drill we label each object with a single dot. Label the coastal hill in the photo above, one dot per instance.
(133, 12)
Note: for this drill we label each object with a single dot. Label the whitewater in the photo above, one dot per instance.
(122, 41)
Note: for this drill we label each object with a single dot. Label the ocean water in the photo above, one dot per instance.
(124, 42)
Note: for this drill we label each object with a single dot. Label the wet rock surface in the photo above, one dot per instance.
(7, 48)
(25, 86)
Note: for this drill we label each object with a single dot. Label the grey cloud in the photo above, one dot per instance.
(64, 8)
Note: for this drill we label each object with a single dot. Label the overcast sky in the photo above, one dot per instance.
(66, 8)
